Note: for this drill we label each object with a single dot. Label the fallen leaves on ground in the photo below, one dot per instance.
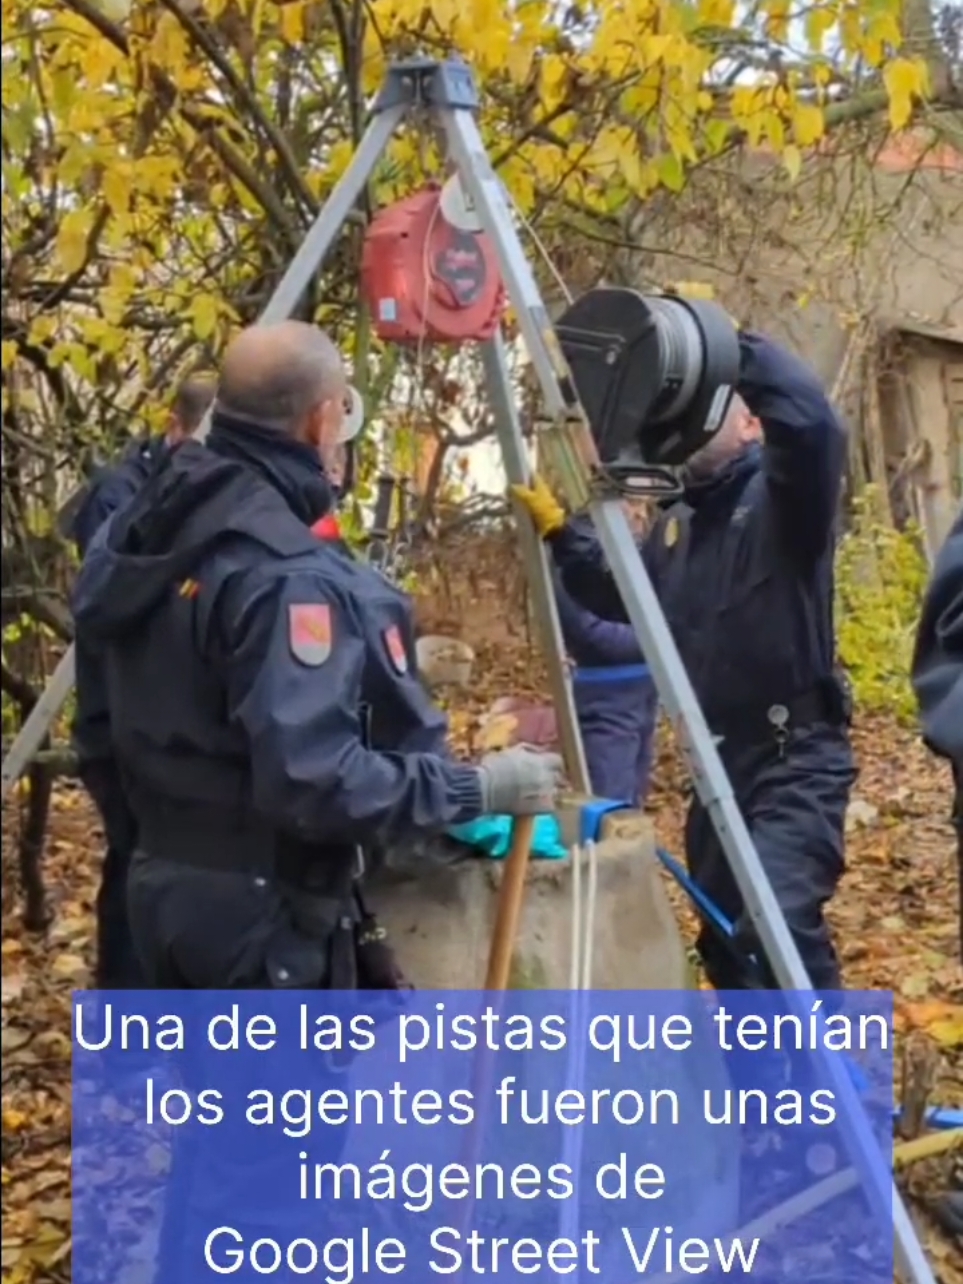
(895, 917)
(38, 977)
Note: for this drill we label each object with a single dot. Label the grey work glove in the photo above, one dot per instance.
(519, 781)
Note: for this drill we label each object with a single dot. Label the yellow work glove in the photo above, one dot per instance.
(546, 512)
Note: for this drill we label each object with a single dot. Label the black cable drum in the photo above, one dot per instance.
(655, 373)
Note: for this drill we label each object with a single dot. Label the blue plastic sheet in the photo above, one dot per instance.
(493, 836)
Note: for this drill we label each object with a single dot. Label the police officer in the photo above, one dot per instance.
(262, 690)
(743, 566)
(938, 671)
(117, 966)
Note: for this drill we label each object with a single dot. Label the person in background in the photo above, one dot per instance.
(938, 681)
(615, 697)
(112, 486)
(117, 966)
(938, 672)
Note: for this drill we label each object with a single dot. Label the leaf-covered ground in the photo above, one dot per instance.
(895, 915)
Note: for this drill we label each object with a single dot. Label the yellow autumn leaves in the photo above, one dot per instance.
(906, 82)
(182, 140)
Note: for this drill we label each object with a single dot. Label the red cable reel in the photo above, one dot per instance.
(425, 280)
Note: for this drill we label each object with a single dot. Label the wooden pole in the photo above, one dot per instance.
(509, 911)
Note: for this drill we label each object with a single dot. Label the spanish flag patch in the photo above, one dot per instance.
(189, 589)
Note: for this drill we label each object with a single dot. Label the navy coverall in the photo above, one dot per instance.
(938, 671)
(615, 699)
(743, 566)
(117, 965)
(267, 711)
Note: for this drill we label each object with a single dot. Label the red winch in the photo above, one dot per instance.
(425, 280)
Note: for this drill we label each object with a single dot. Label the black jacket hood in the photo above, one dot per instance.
(248, 478)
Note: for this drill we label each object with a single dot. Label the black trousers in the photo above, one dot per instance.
(958, 824)
(117, 967)
(794, 803)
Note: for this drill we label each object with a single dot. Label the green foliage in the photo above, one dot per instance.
(880, 578)
(21, 638)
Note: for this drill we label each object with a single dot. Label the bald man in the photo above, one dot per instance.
(116, 966)
(743, 566)
(263, 691)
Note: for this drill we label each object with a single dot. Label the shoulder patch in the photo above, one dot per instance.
(310, 634)
(188, 588)
(395, 647)
(671, 532)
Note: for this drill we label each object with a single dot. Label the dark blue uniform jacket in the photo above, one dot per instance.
(197, 593)
(938, 660)
(265, 706)
(743, 563)
(110, 489)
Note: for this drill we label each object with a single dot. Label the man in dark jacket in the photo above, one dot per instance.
(268, 715)
(938, 671)
(615, 699)
(743, 566)
(110, 489)
(263, 693)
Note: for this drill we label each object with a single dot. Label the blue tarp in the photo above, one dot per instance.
(493, 836)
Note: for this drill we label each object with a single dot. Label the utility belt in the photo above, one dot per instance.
(828, 702)
(218, 840)
(215, 840)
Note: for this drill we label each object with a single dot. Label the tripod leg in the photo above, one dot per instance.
(38, 723)
(536, 562)
(652, 631)
(282, 303)
(329, 222)
(326, 226)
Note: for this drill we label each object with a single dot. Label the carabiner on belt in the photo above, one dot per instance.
(778, 716)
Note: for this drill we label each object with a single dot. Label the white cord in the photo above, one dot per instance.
(588, 926)
(575, 964)
(580, 984)
(537, 241)
(419, 389)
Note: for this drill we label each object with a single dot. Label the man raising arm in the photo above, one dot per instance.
(743, 566)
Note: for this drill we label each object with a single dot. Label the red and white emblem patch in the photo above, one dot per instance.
(309, 633)
(396, 649)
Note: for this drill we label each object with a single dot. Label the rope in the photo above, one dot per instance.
(580, 984)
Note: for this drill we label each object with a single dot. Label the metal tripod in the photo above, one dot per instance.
(407, 86)
(447, 93)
